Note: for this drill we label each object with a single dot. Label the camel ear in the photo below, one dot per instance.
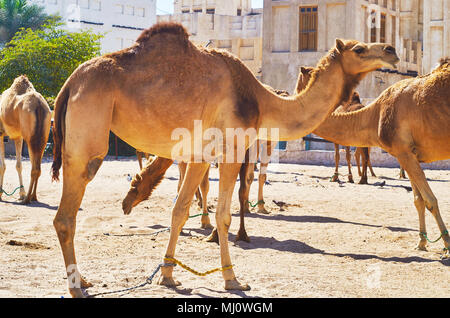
(339, 45)
(303, 70)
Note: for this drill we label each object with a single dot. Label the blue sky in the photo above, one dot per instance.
(166, 6)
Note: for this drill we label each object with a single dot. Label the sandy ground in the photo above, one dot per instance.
(332, 240)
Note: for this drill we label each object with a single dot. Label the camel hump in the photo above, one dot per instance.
(21, 85)
(164, 28)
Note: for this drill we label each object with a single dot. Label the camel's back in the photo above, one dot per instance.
(420, 108)
(22, 107)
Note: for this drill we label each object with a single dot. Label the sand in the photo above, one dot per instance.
(332, 240)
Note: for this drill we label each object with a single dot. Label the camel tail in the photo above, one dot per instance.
(39, 138)
(58, 130)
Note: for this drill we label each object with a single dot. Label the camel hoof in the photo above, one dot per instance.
(242, 236)
(263, 211)
(446, 254)
(168, 281)
(335, 178)
(78, 293)
(350, 179)
(85, 284)
(247, 211)
(213, 237)
(235, 285)
(25, 201)
(363, 181)
(207, 226)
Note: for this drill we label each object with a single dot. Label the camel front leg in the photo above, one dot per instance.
(369, 164)
(246, 175)
(349, 163)
(419, 181)
(180, 213)
(365, 154)
(228, 174)
(337, 157)
(358, 160)
(204, 189)
(18, 143)
(262, 177)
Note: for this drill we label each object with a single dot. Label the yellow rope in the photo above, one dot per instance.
(173, 260)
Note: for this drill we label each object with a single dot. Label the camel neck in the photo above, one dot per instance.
(298, 115)
(358, 128)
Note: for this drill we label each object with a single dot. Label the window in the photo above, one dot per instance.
(394, 5)
(129, 10)
(185, 11)
(308, 29)
(96, 5)
(239, 12)
(140, 12)
(383, 28)
(118, 8)
(394, 31)
(198, 10)
(210, 11)
(373, 27)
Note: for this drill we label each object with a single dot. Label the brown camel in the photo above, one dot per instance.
(397, 122)
(164, 82)
(24, 115)
(353, 105)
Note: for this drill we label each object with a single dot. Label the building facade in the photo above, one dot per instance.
(120, 21)
(231, 25)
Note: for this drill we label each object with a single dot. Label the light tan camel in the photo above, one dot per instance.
(164, 82)
(24, 115)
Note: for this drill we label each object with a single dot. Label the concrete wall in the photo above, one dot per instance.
(436, 32)
(228, 7)
(121, 21)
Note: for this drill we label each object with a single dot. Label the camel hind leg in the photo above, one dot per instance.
(204, 189)
(82, 157)
(18, 143)
(349, 163)
(335, 177)
(424, 197)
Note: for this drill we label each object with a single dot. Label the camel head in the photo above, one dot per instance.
(303, 78)
(361, 58)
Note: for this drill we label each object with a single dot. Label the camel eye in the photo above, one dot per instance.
(358, 50)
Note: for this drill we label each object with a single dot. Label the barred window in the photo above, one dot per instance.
(308, 29)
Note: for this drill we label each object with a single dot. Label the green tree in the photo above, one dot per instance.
(47, 56)
(16, 14)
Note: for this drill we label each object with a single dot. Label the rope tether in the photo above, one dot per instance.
(253, 205)
(173, 261)
(10, 194)
(424, 234)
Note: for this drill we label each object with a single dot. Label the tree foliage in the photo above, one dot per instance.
(47, 56)
(16, 14)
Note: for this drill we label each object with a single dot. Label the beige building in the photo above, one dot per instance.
(300, 32)
(230, 25)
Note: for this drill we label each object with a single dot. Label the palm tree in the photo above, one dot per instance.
(16, 14)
